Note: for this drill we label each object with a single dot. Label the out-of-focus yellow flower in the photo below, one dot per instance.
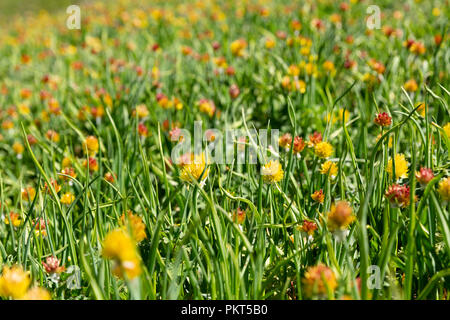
(91, 145)
(23, 109)
(318, 280)
(272, 172)
(55, 185)
(18, 148)
(285, 141)
(293, 70)
(207, 106)
(14, 282)
(136, 224)
(237, 47)
(15, 218)
(340, 216)
(389, 142)
(444, 189)
(447, 129)
(67, 171)
(401, 166)
(28, 194)
(7, 124)
(141, 111)
(121, 248)
(92, 163)
(299, 85)
(411, 85)
(37, 293)
(329, 67)
(341, 114)
(323, 150)
(52, 136)
(421, 109)
(66, 162)
(329, 168)
(178, 104)
(270, 43)
(93, 43)
(68, 198)
(239, 216)
(286, 82)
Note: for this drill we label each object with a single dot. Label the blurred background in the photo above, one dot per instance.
(20, 7)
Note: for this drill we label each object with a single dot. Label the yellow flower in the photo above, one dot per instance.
(23, 109)
(238, 216)
(444, 189)
(317, 279)
(401, 167)
(318, 196)
(421, 109)
(329, 67)
(28, 194)
(389, 142)
(272, 172)
(141, 111)
(411, 85)
(196, 168)
(37, 293)
(91, 145)
(66, 162)
(121, 248)
(237, 47)
(52, 136)
(270, 43)
(323, 150)
(137, 226)
(340, 216)
(330, 168)
(299, 85)
(18, 148)
(14, 282)
(293, 70)
(67, 198)
(15, 218)
(447, 129)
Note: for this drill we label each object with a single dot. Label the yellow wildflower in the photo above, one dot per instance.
(91, 145)
(67, 198)
(28, 194)
(330, 168)
(447, 129)
(323, 150)
(197, 169)
(136, 224)
(37, 293)
(14, 282)
(340, 216)
(15, 218)
(272, 172)
(401, 167)
(318, 280)
(444, 189)
(121, 248)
